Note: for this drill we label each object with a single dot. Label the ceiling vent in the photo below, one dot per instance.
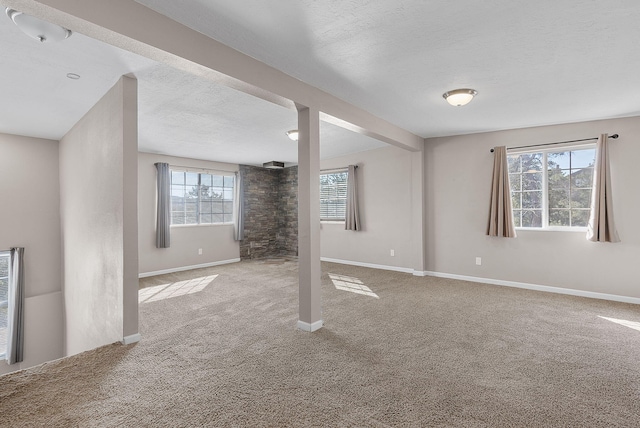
(273, 165)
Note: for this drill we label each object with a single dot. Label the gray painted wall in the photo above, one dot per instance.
(458, 180)
(385, 189)
(216, 241)
(30, 218)
(96, 213)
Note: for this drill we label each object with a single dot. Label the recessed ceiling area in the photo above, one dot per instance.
(179, 114)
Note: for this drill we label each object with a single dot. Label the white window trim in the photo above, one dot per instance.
(545, 192)
(196, 170)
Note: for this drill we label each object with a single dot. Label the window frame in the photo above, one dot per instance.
(546, 227)
(201, 172)
(334, 171)
(5, 303)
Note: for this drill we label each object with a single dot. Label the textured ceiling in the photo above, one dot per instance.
(533, 63)
(179, 114)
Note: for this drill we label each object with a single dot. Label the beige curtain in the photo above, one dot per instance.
(500, 214)
(601, 226)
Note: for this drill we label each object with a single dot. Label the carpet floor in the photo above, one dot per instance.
(219, 348)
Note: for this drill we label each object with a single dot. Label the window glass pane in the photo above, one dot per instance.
(228, 194)
(580, 198)
(177, 218)
(205, 218)
(191, 218)
(532, 181)
(217, 180)
(192, 178)
(531, 162)
(582, 178)
(558, 179)
(228, 218)
(217, 193)
(583, 158)
(205, 179)
(516, 217)
(558, 160)
(532, 199)
(177, 191)
(206, 207)
(514, 163)
(177, 177)
(228, 180)
(532, 218)
(227, 207)
(515, 201)
(559, 217)
(579, 218)
(559, 198)
(217, 218)
(216, 207)
(514, 181)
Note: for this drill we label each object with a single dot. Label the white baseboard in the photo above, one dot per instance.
(536, 287)
(305, 326)
(128, 340)
(368, 265)
(183, 268)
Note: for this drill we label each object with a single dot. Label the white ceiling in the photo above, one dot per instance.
(533, 63)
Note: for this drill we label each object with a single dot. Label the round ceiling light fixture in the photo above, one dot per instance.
(293, 134)
(459, 97)
(38, 29)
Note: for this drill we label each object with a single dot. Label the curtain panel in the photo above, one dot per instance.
(163, 216)
(500, 213)
(15, 326)
(352, 215)
(601, 226)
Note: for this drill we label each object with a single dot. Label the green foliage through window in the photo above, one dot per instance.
(198, 198)
(551, 188)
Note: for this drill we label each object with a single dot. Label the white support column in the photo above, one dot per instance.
(310, 305)
(418, 210)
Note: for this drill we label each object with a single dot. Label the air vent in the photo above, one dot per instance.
(273, 165)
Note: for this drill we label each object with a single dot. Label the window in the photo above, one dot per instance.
(198, 198)
(4, 296)
(333, 195)
(552, 188)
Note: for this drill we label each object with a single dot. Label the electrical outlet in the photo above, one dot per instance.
(393, 253)
(479, 261)
(199, 251)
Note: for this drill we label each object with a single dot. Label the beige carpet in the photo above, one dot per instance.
(396, 350)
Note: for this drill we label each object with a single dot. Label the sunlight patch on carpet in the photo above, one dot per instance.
(631, 324)
(174, 289)
(351, 284)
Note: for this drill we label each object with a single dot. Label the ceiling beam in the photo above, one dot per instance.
(138, 29)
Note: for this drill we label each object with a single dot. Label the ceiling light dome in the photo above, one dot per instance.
(293, 134)
(459, 97)
(38, 29)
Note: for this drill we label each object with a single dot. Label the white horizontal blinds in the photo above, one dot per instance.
(201, 198)
(333, 195)
(4, 297)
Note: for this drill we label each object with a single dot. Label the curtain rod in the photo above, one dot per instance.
(614, 136)
(342, 168)
(201, 169)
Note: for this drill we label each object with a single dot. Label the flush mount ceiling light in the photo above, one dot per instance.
(38, 29)
(459, 97)
(293, 134)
